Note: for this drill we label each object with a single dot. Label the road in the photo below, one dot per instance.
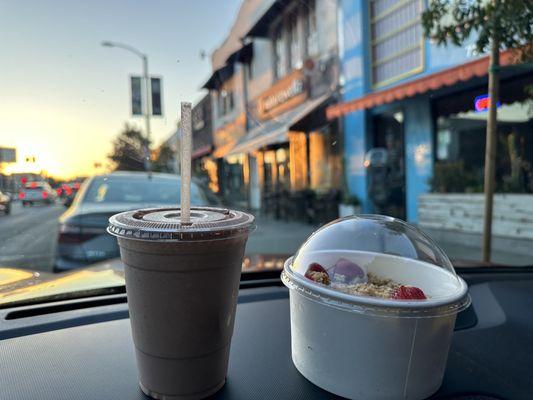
(28, 236)
(28, 239)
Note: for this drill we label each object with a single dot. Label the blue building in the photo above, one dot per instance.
(418, 101)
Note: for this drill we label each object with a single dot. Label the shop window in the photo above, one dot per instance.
(325, 161)
(396, 39)
(282, 162)
(298, 160)
(460, 141)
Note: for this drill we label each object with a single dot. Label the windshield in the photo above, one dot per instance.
(303, 111)
(148, 190)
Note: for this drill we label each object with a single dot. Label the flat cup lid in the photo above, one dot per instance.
(164, 224)
(371, 262)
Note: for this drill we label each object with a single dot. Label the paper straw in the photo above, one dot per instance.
(186, 144)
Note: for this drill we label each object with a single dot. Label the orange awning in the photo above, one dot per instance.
(447, 77)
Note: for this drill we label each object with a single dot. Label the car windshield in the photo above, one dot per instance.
(301, 112)
(147, 190)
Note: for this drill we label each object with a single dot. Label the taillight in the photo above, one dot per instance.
(44, 194)
(22, 195)
(73, 234)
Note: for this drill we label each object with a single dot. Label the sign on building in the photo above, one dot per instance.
(282, 96)
(157, 105)
(136, 96)
(482, 103)
(8, 155)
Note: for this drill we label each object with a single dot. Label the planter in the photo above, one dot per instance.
(346, 210)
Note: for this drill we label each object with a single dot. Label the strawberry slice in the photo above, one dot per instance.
(409, 293)
(317, 273)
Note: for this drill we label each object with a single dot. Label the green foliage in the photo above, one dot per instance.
(454, 21)
(128, 150)
(164, 161)
(453, 177)
(351, 200)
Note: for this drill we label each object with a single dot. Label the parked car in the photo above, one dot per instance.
(5, 203)
(69, 191)
(83, 238)
(37, 192)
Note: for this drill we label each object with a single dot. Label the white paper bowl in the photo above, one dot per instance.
(369, 348)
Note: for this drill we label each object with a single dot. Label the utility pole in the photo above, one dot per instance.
(147, 108)
(147, 102)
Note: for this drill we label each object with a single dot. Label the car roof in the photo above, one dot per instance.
(138, 175)
(144, 175)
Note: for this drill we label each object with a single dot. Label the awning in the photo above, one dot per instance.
(261, 27)
(202, 151)
(448, 77)
(243, 55)
(219, 76)
(276, 130)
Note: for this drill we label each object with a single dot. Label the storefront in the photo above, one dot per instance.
(202, 143)
(460, 122)
(228, 126)
(428, 135)
(291, 149)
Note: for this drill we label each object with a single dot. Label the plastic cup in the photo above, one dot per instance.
(372, 348)
(182, 283)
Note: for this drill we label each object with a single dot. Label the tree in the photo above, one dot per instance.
(496, 25)
(128, 150)
(164, 159)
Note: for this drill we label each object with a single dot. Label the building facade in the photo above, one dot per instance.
(413, 113)
(202, 142)
(273, 78)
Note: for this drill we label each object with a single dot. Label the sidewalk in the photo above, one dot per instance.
(469, 253)
(284, 238)
(277, 237)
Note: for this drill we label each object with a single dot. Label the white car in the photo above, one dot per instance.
(37, 193)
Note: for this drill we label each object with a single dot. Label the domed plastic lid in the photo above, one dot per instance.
(377, 264)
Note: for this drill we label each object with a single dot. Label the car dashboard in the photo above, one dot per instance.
(82, 349)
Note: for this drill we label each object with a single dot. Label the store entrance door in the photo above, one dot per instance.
(389, 135)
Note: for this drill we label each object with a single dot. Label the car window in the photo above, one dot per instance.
(141, 191)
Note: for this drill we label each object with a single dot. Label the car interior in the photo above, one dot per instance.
(82, 348)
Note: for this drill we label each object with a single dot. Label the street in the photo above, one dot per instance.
(28, 236)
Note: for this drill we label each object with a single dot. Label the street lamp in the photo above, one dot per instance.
(147, 104)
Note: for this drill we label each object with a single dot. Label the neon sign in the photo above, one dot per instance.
(482, 103)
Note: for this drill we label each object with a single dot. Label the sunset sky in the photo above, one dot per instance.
(63, 97)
